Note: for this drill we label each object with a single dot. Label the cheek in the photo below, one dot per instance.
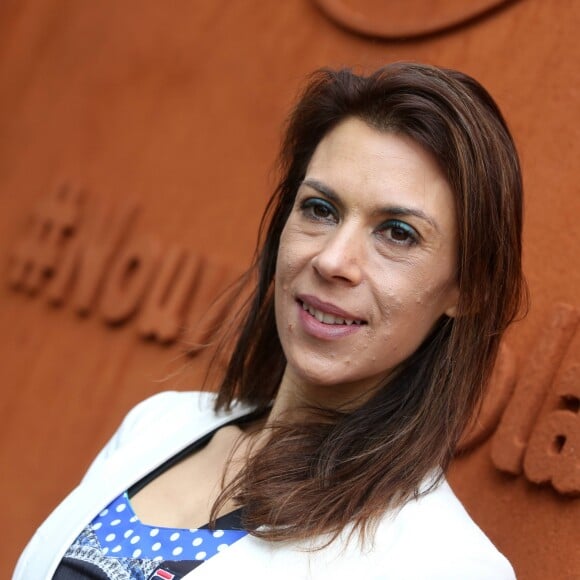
(292, 256)
(287, 267)
(392, 296)
(408, 308)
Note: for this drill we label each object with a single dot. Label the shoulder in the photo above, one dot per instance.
(169, 402)
(435, 538)
(156, 418)
(168, 408)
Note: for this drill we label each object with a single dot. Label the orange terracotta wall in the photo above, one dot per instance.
(136, 147)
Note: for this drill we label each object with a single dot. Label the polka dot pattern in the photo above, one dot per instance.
(122, 535)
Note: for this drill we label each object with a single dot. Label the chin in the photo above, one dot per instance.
(336, 387)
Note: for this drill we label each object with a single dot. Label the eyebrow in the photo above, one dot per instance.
(395, 210)
(322, 188)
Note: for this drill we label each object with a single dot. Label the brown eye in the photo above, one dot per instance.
(318, 209)
(400, 233)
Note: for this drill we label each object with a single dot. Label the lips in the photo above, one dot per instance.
(327, 313)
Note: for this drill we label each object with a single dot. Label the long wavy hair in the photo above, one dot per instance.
(345, 469)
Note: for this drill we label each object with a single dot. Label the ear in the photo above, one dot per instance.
(451, 309)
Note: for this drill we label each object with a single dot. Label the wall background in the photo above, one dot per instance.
(178, 105)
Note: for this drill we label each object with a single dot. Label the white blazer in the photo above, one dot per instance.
(432, 538)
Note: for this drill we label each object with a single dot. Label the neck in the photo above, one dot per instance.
(295, 397)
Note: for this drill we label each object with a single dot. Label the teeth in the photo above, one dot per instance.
(328, 318)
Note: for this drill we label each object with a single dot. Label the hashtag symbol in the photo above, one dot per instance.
(36, 255)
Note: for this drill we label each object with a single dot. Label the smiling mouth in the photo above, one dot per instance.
(326, 318)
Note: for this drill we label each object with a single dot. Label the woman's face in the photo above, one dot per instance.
(367, 259)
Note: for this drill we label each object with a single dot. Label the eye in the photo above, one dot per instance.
(400, 233)
(318, 209)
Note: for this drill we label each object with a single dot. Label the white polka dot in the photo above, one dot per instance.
(200, 555)
(97, 526)
(154, 532)
(127, 533)
(116, 549)
(104, 513)
(110, 537)
(197, 542)
(177, 551)
(193, 530)
(133, 519)
(135, 539)
(174, 536)
(158, 558)
(155, 547)
(105, 551)
(222, 547)
(121, 507)
(218, 534)
(115, 522)
(136, 553)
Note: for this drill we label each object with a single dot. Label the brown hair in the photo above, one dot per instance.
(349, 467)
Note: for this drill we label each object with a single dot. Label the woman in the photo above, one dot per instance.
(389, 269)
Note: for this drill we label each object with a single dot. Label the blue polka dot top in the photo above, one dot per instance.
(117, 544)
(121, 533)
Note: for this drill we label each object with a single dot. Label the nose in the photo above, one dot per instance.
(341, 257)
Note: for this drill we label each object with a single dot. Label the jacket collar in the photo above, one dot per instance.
(127, 464)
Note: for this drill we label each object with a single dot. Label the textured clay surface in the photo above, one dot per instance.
(138, 141)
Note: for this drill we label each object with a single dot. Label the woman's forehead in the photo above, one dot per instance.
(359, 164)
